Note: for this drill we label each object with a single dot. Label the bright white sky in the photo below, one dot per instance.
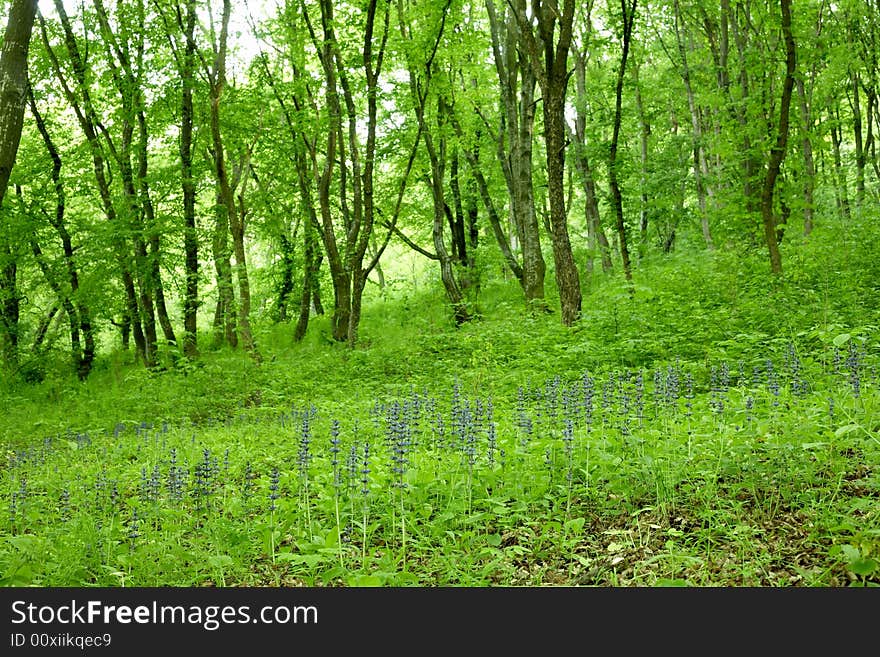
(245, 44)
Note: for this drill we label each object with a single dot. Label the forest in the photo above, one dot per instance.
(440, 292)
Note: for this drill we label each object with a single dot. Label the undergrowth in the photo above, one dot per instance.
(710, 426)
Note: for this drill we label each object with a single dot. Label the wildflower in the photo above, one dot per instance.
(772, 382)
(134, 529)
(303, 456)
(334, 451)
(274, 480)
(365, 470)
(854, 365)
(175, 478)
(64, 504)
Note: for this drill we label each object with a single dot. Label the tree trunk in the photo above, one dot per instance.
(241, 273)
(517, 129)
(629, 14)
(13, 94)
(82, 335)
(224, 324)
(89, 122)
(492, 212)
(43, 329)
(777, 153)
(9, 305)
(595, 233)
(447, 273)
(644, 134)
(190, 237)
(230, 220)
(701, 166)
(841, 186)
(750, 164)
(13, 83)
(549, 61)
(855, 104)
(807, 152)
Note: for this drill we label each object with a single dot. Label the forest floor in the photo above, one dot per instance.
(715, 427)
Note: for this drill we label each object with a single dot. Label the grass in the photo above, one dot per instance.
(719, 428)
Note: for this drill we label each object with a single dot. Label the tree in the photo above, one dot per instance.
(349, 166)
(777, 153)
(701, 165)
(13, 83)
(421, 69)
(126, 217)
(13, 97)
(628, 11)
(548, 55)
(79, 316)
(181, 28)
(515, 134)
(231, 210)
(596, 237)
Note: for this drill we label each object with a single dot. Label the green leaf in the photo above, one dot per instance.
(671, 582)
(220, 561)
(21, 576)
(494, 539)
(841, 339)
(848, 428)
(575, 525)
(365, 580)
(309, 560)
(851, 553)
(25, 542)
(863, 566)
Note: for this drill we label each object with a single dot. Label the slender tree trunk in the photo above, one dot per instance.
(567, 277)
(82, 334)
(809, 179)
(13, 83)
(841, 187)
(229, 218)
(9, 305)
(749, 161)
(613, 183)
(870, 143)
(339, 279)
(380, 274)
(13, 94)
(309, 296)
(225, 329)
(777, 153)
(701, 166)
(492, 212)
(436, 181)
(89, 122)
(595, 233)
(517, 83)
(548, 56)
(125, 63)
(285, 287)
(43, 329)
(855, 103)
(187, 182)
(447, 273)
(644, 134)
(241, 273)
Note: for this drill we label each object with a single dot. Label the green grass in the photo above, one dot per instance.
(681, 459)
